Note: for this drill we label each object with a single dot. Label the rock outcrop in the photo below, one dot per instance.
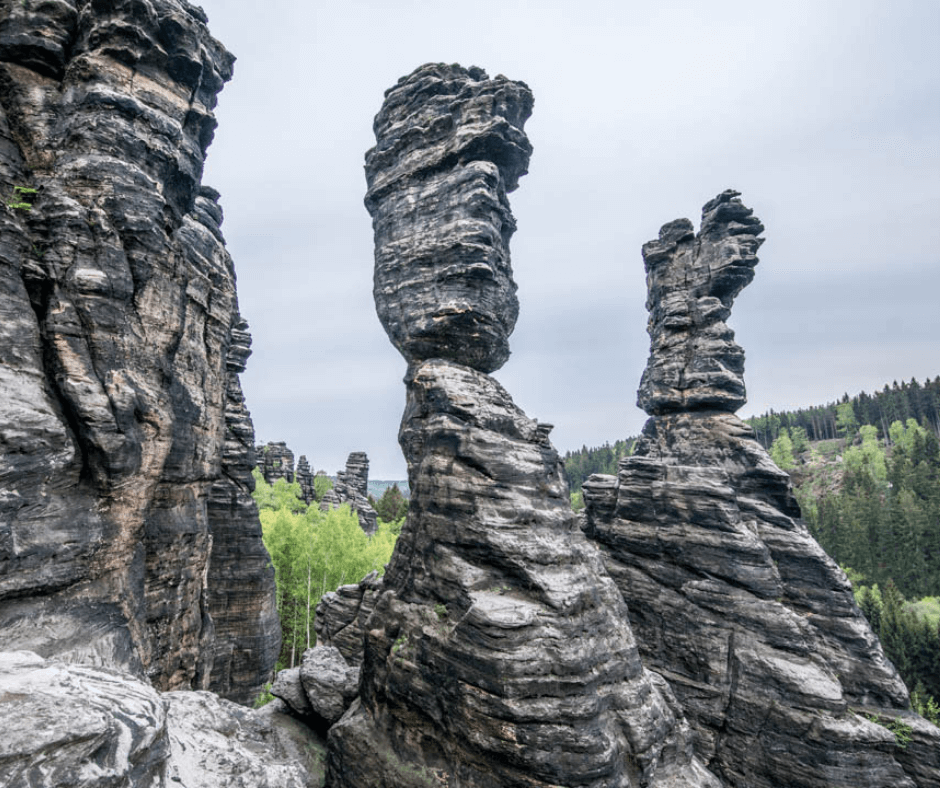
(90, 726)
(730, 598)
(276, 462)
(352, 487)
(305, 478)
(127, 537)
(498, 652)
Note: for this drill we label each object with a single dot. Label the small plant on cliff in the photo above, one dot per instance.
(19, 201)
(264, 697)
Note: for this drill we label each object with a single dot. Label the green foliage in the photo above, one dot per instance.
(782, 451)
(846, 423)
(321, 483)
(602, 459)
(313, 552)
(577, 501)
(392, 506)
(264, 697)
(897, 402)
(18, 201)
(280, 495)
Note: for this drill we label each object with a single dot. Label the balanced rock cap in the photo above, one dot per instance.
(449, 146)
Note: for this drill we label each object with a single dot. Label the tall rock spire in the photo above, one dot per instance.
(732, 601)
(692, 281)
(498, 652)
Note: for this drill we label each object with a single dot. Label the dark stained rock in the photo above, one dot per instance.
(122, 465)
(240, 588)
(276, 462)
(352, 487)
(304, 477)
(731, 599)
(449, 145)
(498, 652)
(693, 281)
(342, 614)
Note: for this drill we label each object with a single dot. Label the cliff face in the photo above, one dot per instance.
(127, 534)
(498, 652)
(731, 599)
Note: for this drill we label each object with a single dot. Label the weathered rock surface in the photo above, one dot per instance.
(449, 145)
(71, 725)
(341, 617)
(321, 689)
(304, 477)
(352, 487)
(730, 598)
(498, 652)
(276, 462)
(122, 465)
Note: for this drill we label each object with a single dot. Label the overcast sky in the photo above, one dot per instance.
(825, 115)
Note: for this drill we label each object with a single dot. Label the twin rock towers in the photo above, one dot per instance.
(687, 631)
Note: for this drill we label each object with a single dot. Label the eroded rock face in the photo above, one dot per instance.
(352, 487)
(122, 456)
(276, 462)
(498, 652)
(449, 146)
(304, 477)
(731, 599)
(89, 726)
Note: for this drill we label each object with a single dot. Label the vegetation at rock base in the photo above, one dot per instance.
(392, 506)
(313, 552)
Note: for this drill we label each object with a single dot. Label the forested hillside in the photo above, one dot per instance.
(599, 459)
(912, 400)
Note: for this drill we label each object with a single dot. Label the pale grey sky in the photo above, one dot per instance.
(825, 115)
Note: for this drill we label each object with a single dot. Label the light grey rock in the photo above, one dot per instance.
(288, 687)
(71, 726)
(732, 601)
(329, 682)
(341, 617)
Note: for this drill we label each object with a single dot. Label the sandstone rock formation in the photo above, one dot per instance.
(276, 462)
(127, 537)
(305, 478)
(498, 652)
(730, 598)
(90, 726)
(352, 487)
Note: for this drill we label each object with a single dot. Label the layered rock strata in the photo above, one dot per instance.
(104, 728)
(277, 462)
(731, 599)
(498, 652)
(123, 474)
(305, 478)
(352, 487)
